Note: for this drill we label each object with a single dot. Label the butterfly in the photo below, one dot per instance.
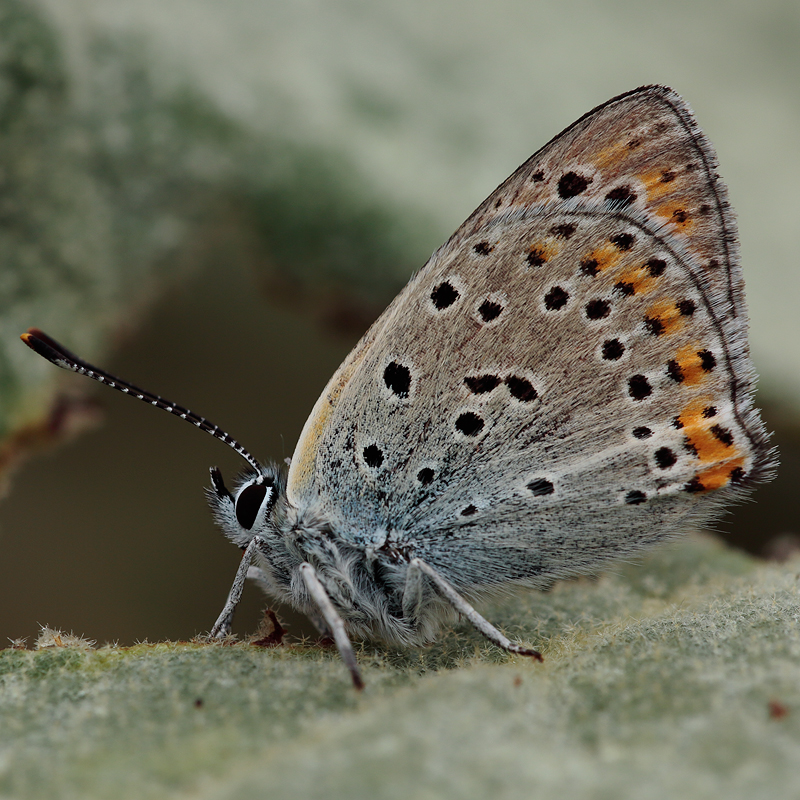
(564, 383)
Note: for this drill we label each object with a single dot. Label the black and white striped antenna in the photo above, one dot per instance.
(57, 354)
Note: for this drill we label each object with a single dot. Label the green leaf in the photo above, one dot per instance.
(677, 677)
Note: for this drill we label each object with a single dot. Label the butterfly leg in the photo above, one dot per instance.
(482, 625)
(413, 593)
(222, 627)
(333, 621)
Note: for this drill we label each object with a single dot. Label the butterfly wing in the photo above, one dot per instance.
(566, 380)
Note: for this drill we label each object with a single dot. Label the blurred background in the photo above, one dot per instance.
(215, 200)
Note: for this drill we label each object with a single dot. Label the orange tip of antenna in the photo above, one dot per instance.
(32, 333)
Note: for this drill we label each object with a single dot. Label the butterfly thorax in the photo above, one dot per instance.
(366, 577)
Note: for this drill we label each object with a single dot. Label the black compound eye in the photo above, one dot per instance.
(248, 504)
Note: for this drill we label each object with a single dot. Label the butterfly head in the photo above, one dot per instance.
(247, 510)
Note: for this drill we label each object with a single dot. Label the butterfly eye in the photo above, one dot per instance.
(249, 502)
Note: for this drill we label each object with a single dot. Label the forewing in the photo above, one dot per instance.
(567, 378)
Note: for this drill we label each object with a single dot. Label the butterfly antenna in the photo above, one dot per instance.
(57, 354)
